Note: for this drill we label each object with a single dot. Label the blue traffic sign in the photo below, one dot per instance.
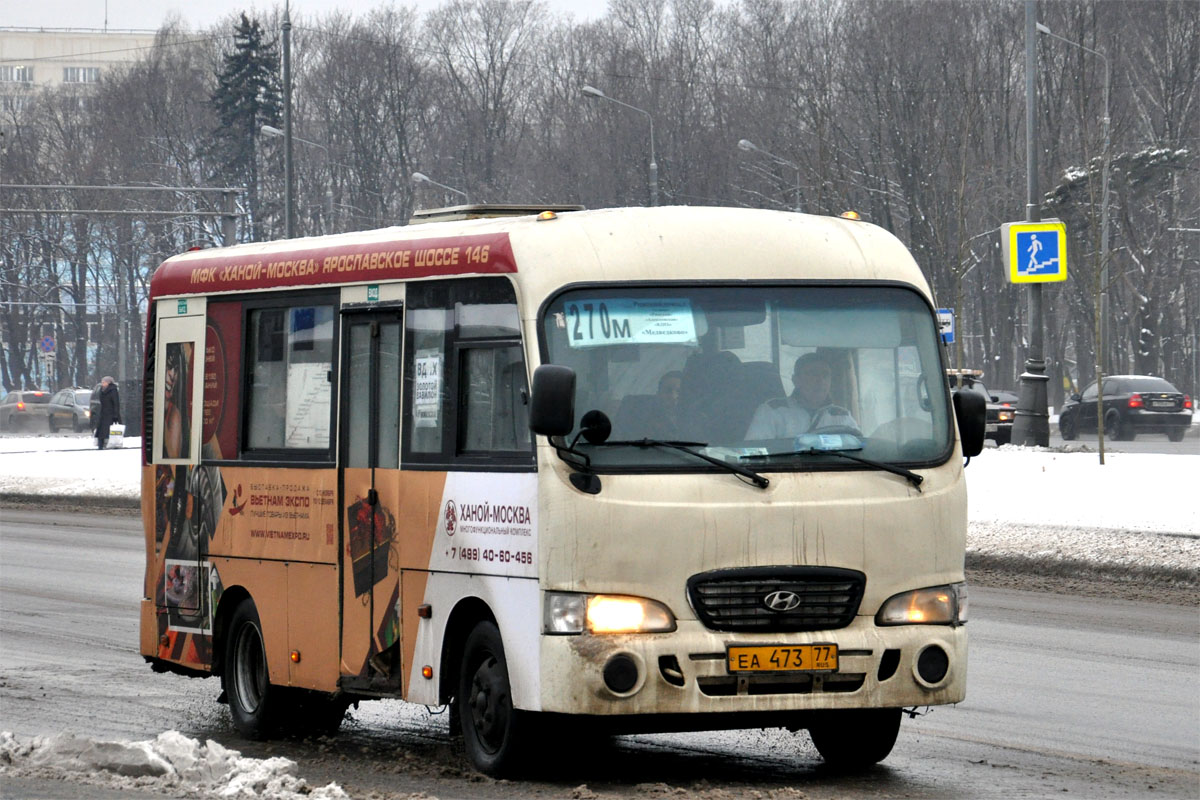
(946, 324)
(48, 344)
(1036, 252)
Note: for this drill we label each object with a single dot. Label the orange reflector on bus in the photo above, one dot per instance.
(547, 215)
(425, 611)
(427, 672)
(295, 656)
(849, 215)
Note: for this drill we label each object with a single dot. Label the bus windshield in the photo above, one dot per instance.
(768, 376)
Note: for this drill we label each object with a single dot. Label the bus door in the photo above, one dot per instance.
(369, 460)
(184, 494)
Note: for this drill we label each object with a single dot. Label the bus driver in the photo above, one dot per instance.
(807, 409)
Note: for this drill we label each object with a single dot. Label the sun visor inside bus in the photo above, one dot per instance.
(737, 313)
(845, 327)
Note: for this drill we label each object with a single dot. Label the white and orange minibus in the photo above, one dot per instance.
(560, 468)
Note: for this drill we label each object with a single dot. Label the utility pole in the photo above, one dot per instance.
(1031, 425)
(289, 189)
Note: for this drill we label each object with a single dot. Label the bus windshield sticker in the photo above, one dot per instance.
(616, 320)
(427, 393)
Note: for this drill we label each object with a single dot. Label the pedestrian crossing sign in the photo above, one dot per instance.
(1036, 252)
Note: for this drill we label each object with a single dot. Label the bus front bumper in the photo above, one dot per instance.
(688, 672)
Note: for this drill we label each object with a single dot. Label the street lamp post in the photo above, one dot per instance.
(592, 91)
(1102, 322)
(421, 177)
(748, 146)
(271, 130)
(1031, 425)
(289, 173)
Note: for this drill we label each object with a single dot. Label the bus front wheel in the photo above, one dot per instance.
(857, 738)
(253, 701)
(491, 727)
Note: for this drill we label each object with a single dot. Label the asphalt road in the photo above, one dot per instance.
(1146, 443)
(1066, 697)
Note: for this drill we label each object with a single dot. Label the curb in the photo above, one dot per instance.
(71, 502)
(1080, 570)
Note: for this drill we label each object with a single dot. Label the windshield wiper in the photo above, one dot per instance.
(758, 480)
(913, 478)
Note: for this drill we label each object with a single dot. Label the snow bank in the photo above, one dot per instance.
(1130, 492)
(69, 465)
(168, 763)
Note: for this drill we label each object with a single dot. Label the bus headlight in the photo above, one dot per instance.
(937, 605)
(605, 613)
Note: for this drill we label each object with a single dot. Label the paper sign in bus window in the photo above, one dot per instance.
(614, 320)
(308, 397)
(427, 390)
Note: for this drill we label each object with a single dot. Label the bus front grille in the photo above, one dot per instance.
(776, 599)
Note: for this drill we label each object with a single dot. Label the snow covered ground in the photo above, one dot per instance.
(171, 764)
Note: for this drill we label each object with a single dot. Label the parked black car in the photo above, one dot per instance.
(70, 408)
(24, 410)
(1132, 404)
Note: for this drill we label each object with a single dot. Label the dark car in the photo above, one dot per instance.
(1001, 407)
(1001, 404)
(25, 410)
(1132, 404)
(70, 408)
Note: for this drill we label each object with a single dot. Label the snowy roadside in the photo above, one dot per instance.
(1025, 504)
(171, 764)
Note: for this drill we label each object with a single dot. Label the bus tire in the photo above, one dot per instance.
(857, 738)
(253, 702)
(493, 731)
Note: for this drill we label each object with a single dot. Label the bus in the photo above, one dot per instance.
(562, 470)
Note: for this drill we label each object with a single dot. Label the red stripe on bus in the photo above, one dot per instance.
(333, 264)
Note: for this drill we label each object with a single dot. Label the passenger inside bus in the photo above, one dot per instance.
(651, 416)
(808, 409)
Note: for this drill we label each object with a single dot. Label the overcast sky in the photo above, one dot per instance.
(149, 14)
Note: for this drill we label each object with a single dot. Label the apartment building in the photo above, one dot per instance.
(34, 58)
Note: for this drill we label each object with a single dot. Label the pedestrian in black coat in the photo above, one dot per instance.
(110, 410)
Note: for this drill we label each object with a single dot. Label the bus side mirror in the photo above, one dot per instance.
(970, 409)
(552, 405)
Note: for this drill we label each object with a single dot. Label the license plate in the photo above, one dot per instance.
(991, 428)
(779, 658)
(1162, 404)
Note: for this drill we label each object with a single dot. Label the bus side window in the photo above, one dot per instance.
(494, 400)
(290, 361)
(466, 396)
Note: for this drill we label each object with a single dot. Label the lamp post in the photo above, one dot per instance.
(1031, 425)
(592, 91)
(749, 146)
(271, 130)
(289, 173)
(421, 177)
(1102, 322)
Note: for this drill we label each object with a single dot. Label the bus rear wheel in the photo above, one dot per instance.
(254, 703)
(857, 738)
(492, 729)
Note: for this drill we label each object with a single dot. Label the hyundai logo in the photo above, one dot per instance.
(782, 600)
